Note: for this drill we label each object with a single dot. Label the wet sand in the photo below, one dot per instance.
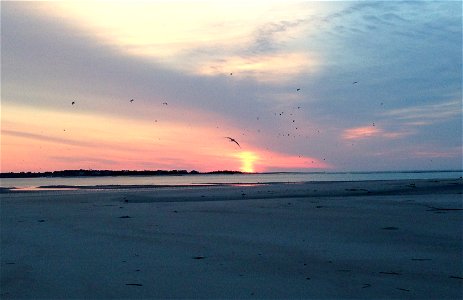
(372, 239)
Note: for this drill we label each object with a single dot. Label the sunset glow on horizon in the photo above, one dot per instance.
(301, 86)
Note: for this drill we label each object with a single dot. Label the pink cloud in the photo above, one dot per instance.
(361, 132)
(365, 132)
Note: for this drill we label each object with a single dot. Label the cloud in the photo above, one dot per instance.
(210, 39)
(167, 30)
(79, 160)
(367, 132)
(271, 68)
(439, 153)
(272, 36)
(409, 62)
(390, 17)
(361, 133)
(56, 65)
(428, 113)
(47, 138)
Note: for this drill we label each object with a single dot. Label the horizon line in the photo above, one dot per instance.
(195, 172)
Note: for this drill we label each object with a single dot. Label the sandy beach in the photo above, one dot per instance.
(370, 239)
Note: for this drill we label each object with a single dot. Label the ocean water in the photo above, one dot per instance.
(205, 179)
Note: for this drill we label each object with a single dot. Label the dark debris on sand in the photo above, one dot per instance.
(390, 273)
(390, 228)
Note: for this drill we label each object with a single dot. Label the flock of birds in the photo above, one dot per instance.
(233, 140)
(165, 103)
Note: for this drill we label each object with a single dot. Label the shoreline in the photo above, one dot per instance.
(364, 239)
(148, 181)
(280, 189)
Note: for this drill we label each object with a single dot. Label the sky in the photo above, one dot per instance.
(300, 85)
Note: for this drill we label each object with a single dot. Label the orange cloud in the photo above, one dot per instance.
(365, 132)
(361, 132)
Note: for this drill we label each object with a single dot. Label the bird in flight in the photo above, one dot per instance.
(355, 82)
(298, 89)
(164, 103)
(131, 100)
(233, 140)
(72, 103)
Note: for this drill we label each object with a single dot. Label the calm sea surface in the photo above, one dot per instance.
(224, 179)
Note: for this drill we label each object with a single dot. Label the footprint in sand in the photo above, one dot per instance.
(390, 228)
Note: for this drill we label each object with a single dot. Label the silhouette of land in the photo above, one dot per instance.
(81, 173)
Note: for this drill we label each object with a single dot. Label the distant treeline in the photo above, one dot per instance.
(75, 173)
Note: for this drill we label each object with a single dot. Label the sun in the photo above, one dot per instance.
(247, 161)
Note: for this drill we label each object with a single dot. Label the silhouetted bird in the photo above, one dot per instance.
(355, 82)
(131, 100)
(72, 103)
(297, 90)
(233, 140)
(164, 103)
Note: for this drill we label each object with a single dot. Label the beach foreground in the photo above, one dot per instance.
(371, 239)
